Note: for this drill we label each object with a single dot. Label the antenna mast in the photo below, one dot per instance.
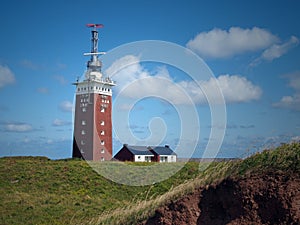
(94, 64)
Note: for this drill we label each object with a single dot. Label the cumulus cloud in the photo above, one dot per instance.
(219, 43)
(291, 101)
(17, 127)
(276, 50)
(236, 88)
(59, 123)
(134, 81)
(66, 106)
(6, 76)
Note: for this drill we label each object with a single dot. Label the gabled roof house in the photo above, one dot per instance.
(146, 154)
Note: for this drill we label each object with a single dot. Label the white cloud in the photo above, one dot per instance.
(276, 50)
(294, 80)
(219, 43)
(66, 106)
(58, 123)
(289, 102)
(6, 76)
(136, 82)
(18, 127)
(235, 88)
(292, 101)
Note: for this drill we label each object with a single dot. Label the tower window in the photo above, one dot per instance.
(81, 150)
(102, 142)
(102, 109)
(102, 132)
(83, 109)
(102, 123)
(83, 132)
(83, 122)
(102, 159)
(102, 150)
(82, 142)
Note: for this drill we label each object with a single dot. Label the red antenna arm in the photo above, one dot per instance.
(95, 25)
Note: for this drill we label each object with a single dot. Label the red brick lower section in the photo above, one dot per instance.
(103, 101)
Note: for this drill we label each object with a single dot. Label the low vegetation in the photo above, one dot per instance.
(36, 190)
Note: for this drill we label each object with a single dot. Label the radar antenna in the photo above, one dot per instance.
(94, 63)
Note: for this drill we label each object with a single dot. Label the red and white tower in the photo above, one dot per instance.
(93, 109)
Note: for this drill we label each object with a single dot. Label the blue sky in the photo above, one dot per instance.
(252, 48)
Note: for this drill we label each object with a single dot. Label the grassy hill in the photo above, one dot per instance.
(36, 190)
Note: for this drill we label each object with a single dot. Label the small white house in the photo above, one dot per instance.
(146, 154)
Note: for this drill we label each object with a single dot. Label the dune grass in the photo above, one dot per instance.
(284, 158)
(36, 190)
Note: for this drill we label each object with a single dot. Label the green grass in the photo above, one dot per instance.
(36, 190)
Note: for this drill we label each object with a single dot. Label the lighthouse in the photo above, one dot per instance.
(92, 138)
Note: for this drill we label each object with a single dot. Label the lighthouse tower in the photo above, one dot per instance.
(93, 109)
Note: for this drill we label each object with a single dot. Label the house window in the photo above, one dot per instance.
(163, 159)
(83, 132)
(102, 142)
(83, 122)
(102, 123)
(102, 132)
(148, 158)
(139, 157)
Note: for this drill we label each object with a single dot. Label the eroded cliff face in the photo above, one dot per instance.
(268, 198)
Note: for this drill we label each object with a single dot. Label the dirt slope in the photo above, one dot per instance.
(269, 198)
